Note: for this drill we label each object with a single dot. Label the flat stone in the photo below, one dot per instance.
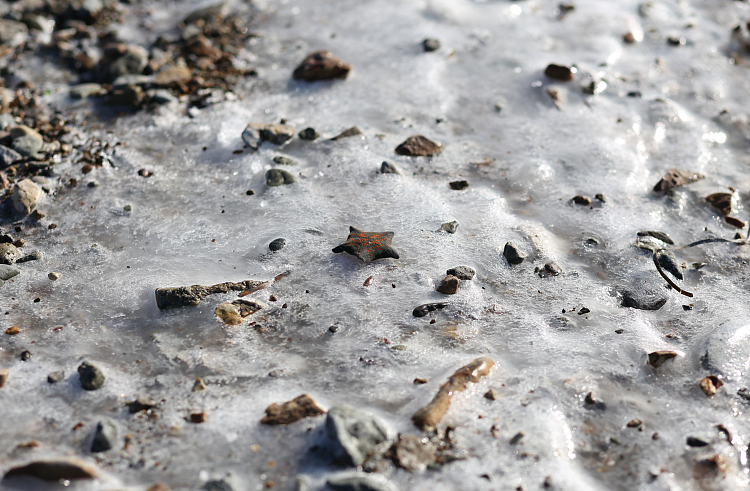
(360, 482)
(160, 96)
(321, 65)
(720, 201)
(298, 408)
(309, 134)
(658, 358)
(513, 254)
(228, 313)
(657, 235)
(462, 272)
(411, 454)
(676, 177)
(559, 72)
(173, 75)
(418, 146)
(353, 131)
(7, 272)
(643, 300)
(184, 296)
(8, 156)
(91, 376)
(26, 141)
(281, 160)
(355, 434)
(582, 200)
(389, 168)
(105, 436)
(449, 227)
(12, 33)
(430, 44)
(279, 177)
(426, 308)
(277, 244)
(84, 91)
(55, 469)
(449, 285)
(26, 195)
(668, 261)
(55, 377)
(256, 133)
(9, 253)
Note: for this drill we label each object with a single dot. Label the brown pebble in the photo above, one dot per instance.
(657, 358)
(721, 201)
(55, 469)
(491, 395)
(420, 381)
(710, 385)
(418, 146)
(4, 374)
(582, 200)
(676, 177)
(559, 72)
(12, 331)
(368, 281)
(158, 487)
(198, 417)
(629, 38)
(289, 412)
(735, 222)
(634, 423)
(321, 65)
(449, 285)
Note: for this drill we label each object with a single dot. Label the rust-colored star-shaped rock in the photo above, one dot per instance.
(368, 246)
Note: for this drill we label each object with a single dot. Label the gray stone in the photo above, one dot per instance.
(26, 195)
(278, 177)
(205, 13)
(462, 272)
(668, 261)
(91, 376)
(410, 453)
(355, 434)
(281, 160)
(277, 245)
(449, 285)
(449, 227)
(309, 134)
(7, 121)
(12, 33)
(656, 234)
(105, 437)
(513, 254)
(55, 377)
(160, 96)
(8, 156)
(552, 269)
(132, 61)
(183, 296)
(2, 282)
(359, 481)
(131, 79)
(9, 253)
(28, 145)
(84, 91)
(643, 300)
(8, 272)
(353, 131)
(34, 256)
(256, 133)
(389, 168)
(430, 44)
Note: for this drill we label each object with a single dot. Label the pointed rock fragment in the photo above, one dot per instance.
(418, 146)
(289, 412)
(321, 65)
(676, 177)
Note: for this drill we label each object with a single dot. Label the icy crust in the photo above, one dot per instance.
(193, 223)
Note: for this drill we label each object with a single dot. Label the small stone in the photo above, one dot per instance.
(53, 276)
(91, 376)
(256, 133)
(105, 437)
(734, 222)
(721, 201)
(513, 254)
(583, 311)
(676, 177)
(710, 385)
(676, 41)
(227, 483)
(173, 75)
(84, 91)
(131, 95)
(516, 438)
(696, 442)
(411, 454)
(353, 131)
(658, 358)
(355, 433)
(582, 200)
(629, 38)
(668, 261)
(279, 177)
(333, 329)
(205, 13)
(552, 269)
(600, 197)
(491, 395)
(198, 418)
(160, 96)
(228, 313)
(449, 227)
(55, 377)
(425, 309)
(12, 33)
(458, 185)
(359, 481)
(462, 272)
(9, 254)
(132, 60)
(321, 65)
(127, 208)
(418, 146)
(368, 246)
(26, 141)
(12, 331)
(658, 235)
(34, 256)
(277, 244)
(559, 72)
(8, 272)
(281, 160)
(141, 403)
(431, 44)
(634, 423)
(643, 301)
(389, 168)
(8, 156)
(55, 469)
(199, 385)
(309, 134)
(25, 355)
(4, 374)
(449, 285)
(131, 79)
(289, 412)
(420, 381)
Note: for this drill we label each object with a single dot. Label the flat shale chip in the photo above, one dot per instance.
(676, 177)
(720, 201)
(559, 72)
(658, 358)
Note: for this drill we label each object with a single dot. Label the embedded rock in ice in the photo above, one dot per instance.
(513, 254)
(321, 65)
(727, 351)
(183, 296)
(256, 133)
(55, 469)
(289, 412)
(676, 177)
(8, 156)
(105, 437)
(418, 146)
(91, 376)
(26, 195)
(9, 253)
(410, 453)
(356, 434)
(279, 177)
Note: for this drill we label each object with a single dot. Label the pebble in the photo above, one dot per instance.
(105, 436)
(8, 156)
(131, 79)
(281, 160)
(582, 200)
(91, 376)
(309, 134)
(12, 331)
(695, 442)
(513, 254)
(418, 146)
(668, 261)
(721, 201)
(449, 285)
(53, 276)
(431, 44)
(353, 131)
(55, 469)
(279, 177)
(735, 222)
(459, 185)
(9, 253)
(7, 272)
(298, 408)
(55, 377)
(173, 75)
(228, 313)
(449, 227)
(552, 269)
(426, 308)
(199, 385)
(26, 141)
(676, 177)
(389, 168)
(4, 374)
(559, 72)
(12, 33)
(355, 434)
(256, 133)
(132, 61)
(160, 96)
(360, 482)
(84, 91)
(462, 272)
(34, 256)
(657, 235)
(277, 244)
(658, 358)
(131, 95)
(411, 454)
(491, 394)
(183, 296)
(26, 195)
(25, 355)
(710, 385)
(321, 65)
(198, 418)
(646, 300)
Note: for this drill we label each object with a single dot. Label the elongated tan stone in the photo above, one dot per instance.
(26, 196)
(429, 416)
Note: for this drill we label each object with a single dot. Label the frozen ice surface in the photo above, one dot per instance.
(193, 223)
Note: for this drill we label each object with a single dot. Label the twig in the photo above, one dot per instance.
(671, 283)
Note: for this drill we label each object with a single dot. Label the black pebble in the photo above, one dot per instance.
(388, 168)
(309, 134)
(25, 355)
(91, 376)
(55, 377)
(431, 44)
(459, 185)
(696, 442)
(461, 272)
(105, 437)
(277, 245)
(425, 309)
(513, 254)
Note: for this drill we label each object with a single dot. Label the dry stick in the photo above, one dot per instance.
(671, 283)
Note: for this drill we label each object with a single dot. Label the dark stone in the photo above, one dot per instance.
(127, 96)
(676, 41)
(513, 254)
(559, 72)
(309, 134)
(219, 485)
(721, 201)
(34, 256)
(91, 376)
(635, 93)
(389, 168)
(8, 156)
(105, 437)
(368, 246)
(289, 412)
(459, 185)
(449, 285)
(256, 133)
(676, 177)
(600, 197)
(55, 377)
(696, 442)
(431, 44)
(353, 131)
(418, 146)
(281, 160)
(321, 65)
(643, 301)
(449, 227)
(55, 469)
(552, 269)
(668, 261)
(735, 222)
(425, 309)
(277, 244)
(462, 272)
(582, 200)
(657, 235)
(141, 403)
(279, 177)
(25, 355)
